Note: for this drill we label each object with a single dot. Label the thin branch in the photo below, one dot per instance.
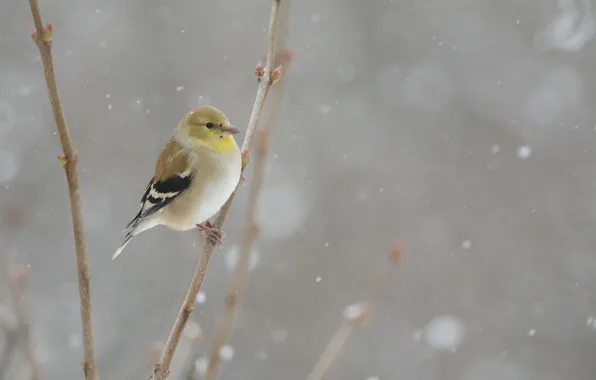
(18, 290)
(251, 228)
(251, 234)
(355, 316)
(162, 369)
(8, 324)
(42, 36)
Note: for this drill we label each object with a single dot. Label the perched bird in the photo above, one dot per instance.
(195, 174)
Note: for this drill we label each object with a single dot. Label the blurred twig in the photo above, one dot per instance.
(266, 79)
(16, 323)
(18, 290)
(42, 36)
(251, 227)
(8, 325)
(251, 234)
(354, 318)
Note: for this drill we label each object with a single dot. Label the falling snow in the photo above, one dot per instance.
(232, 258)
(353, 311)
(524, 152)
(201, 365)
(444, 333)
(468, 135)
(226, 353)
(571, 29)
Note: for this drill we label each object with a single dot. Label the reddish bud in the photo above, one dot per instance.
(260, 69)
(62, 160)
(245, 158)
(33, 34)
(396, 253)
(18, 275)
(48, 33)
(276, 74)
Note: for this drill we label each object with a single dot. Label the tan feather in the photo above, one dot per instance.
(173, 159)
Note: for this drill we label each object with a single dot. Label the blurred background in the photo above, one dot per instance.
(462, 129)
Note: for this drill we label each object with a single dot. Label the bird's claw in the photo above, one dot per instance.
(211, 233)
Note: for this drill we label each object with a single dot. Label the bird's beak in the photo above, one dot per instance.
(229, 129)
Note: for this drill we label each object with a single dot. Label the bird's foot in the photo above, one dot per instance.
(211, 233)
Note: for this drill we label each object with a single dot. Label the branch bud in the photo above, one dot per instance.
(245, 158)
(396, 253)
(47, 33)
(260, 69)
(276, 74)
(62, 160)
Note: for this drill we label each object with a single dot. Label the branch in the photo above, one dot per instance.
(267, 76)
(355, 316)
(251, 228)
(8, 324)
(42, 36)
(251, 234)
(18, 291)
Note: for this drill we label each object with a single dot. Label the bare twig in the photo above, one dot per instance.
(162, 369)
(18, 290)
(11, 342)
(251, 227)
(42, 36)
(355, 316)
(251, 234)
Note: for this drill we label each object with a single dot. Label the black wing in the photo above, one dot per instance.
(159, 194)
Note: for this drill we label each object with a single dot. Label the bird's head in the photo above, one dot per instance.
(208, 126)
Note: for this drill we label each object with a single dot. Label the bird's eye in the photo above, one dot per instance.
(210, 125)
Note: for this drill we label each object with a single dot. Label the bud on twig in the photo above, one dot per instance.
(396, 253)
(260, 69)
(276, 74)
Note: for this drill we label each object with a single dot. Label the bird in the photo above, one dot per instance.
(195, 174)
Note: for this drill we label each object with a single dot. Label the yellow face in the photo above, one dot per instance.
(209, 127)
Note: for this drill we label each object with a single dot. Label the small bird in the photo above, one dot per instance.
(195, 174)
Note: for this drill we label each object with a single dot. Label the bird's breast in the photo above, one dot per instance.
(217, 190)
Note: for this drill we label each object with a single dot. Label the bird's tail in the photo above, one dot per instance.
(125, 241)
(134, 228)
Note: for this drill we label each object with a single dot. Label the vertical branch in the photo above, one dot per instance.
(237, 289)
(8, 324)
(355, 315)
(18, 289)
(266, 79)
(251, 234)
(42, 36)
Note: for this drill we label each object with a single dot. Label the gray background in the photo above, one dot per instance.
(403, 121)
